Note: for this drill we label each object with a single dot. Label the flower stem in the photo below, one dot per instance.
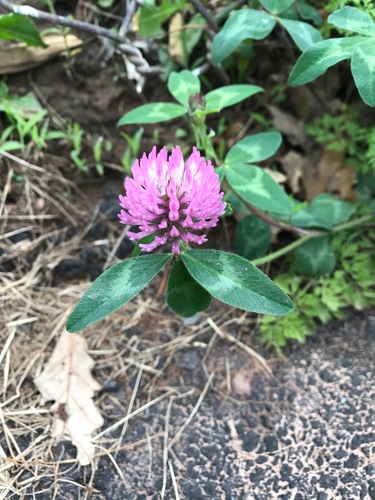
(297, 243)
(276, 223)
(282, 251)
(353, 223)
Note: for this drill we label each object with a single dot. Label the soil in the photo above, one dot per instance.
(208, 420)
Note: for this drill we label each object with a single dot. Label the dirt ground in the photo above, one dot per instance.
(191, 411)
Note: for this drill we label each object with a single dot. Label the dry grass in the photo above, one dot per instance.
(137, 343)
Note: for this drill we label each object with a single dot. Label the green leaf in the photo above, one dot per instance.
(252, 238)
(304, 35)
(193, 35)
(254, 148)
(309, 13)
(319, 57)
(221, 173)
(182, 85)
(11, 145)
(153, 113)
(114, 288)
(236, 203)
(21, 28)
(363, 69)
(276, 6)
(353, 19)
(184, 295)
(323, 212)
(257, 187)
(151, 17)
(4, 90)
(243, 24)
(236, 281)
(315, 257)
(26, 105)
(106, 4)
(143, 241)
(226, 96)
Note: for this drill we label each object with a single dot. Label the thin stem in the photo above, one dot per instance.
(131, 7)
(282, 251)
(281, 225)
(211, 21)
(297, 243)
(353, 223)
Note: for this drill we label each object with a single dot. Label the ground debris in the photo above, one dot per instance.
(67, 380)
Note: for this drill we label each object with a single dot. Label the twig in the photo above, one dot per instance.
(273, 222)
(134, 55)
(206, 14)
(193, 412)
(279, 253)
(131, 6)
(258, 358)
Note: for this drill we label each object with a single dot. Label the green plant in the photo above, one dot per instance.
(171, 200)
(256, 24)
(197, 275)
(342, 133)
(133, 149)
(324, 298)
(97, 151)
(29, 127)
(26, 120)
(20, 28)
(366, 6)
(360, 48)
(74, 134)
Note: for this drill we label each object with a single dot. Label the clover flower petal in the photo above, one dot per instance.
(171, 198)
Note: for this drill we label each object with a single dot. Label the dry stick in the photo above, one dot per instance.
(131, 404)
(22, 162)
(165, 449)
(206, 14)
(131, 6)
(134, 55)
(6, 190)
(135, 412)
(193, 412)
(273, 222)
(174, 480)
(224, 335)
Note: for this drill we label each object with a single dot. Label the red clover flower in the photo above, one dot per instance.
(171, 198)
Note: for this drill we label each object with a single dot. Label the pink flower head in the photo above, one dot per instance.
(171, 198)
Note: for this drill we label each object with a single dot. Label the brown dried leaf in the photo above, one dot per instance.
(293, 128)
(66, 379)
(20, 57)
(294, 165)
(330, 163)
(278, 177)
(174, 43)
(343, 182)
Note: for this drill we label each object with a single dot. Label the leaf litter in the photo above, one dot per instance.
(67, 380)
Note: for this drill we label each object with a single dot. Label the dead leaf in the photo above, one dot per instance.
(174, 43)
(20, 57)
(67, 380)
(278, 177)
(318, 182)
(293, 128)
(294, 165)
(343, 182)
